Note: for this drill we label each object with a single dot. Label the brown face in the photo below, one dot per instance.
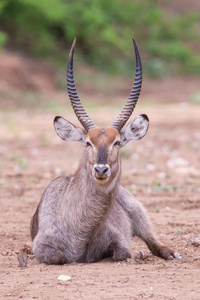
(102, 159)
(103, 150)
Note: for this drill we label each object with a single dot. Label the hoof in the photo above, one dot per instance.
(138, 255)
(121, 254)
(166, 252)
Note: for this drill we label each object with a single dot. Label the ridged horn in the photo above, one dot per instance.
(81, 114)
(134, 95)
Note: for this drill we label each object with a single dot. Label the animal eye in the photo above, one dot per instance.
(117, 143)
(88, 144)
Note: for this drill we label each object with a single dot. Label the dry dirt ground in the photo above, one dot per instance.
(162, 171)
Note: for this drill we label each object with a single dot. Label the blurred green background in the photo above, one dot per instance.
(168, 37)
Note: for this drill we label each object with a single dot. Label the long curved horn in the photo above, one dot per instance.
(81, 114)
(134, 95)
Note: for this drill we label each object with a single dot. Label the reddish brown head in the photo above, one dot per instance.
(102, 145)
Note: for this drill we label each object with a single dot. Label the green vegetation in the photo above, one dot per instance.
(195, 98)
(103, 29)
(20, 161)
(158, 187)
(180, 231)
(3, 39)
(156, 209)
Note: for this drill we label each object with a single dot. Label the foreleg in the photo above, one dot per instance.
(141, 226)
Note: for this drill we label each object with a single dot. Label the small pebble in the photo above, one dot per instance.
(177, 255)
(64, 278)
(196, 241)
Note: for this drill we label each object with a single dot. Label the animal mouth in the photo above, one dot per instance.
(101, 179)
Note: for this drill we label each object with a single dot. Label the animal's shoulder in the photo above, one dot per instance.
(59, 183)
(55, 188)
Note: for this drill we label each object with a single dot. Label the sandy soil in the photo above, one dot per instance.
(162, 171)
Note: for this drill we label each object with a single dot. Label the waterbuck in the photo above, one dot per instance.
(89, 216)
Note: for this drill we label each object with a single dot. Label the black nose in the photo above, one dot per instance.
(101, 170)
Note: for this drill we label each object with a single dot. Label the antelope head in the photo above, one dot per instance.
(103, 145)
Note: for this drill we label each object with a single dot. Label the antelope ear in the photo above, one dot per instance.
(67, 131)
(135, 130)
